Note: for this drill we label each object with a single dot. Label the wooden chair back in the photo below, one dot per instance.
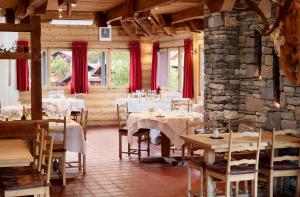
(21, 129)
(59, 131)
(45, 167)
(83, 120)
(242, 125)
(37, 155)
(122, 113)
(185, 104)
(277, 145)
(242, 147)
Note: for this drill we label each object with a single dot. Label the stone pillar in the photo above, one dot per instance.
(221, 38)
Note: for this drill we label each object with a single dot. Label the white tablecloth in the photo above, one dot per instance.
(63, 105)
(75, 138)
(143, 104)
(12, 110)
(172, 124)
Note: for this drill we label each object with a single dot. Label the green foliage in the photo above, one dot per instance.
(59, 68)
(174, 78)
(94, 57)
(120, 68)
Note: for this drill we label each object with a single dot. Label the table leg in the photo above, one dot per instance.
(210, 159)
(165, 145)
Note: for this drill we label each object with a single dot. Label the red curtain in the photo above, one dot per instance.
(155, 50)
(22, 68)
(135, 71)
(188, 89)
(79, 82)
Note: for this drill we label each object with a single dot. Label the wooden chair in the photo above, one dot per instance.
(281, 166)
(59, 147)
(142, 135)
(186, 104)
(236, 170)
(37, 159)
(32, 184)
(81, 162)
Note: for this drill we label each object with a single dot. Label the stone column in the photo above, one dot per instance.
(221, 38)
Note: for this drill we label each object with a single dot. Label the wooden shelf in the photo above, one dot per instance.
(15, 55)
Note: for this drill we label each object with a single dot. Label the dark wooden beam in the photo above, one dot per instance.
(188, 14)
(129, 9)
(101, 19)
(15, 27)
(21, 11)
(30, 7)
(36, 69)
(146, 27)
(75, 15)
(220, 5)
(117, 13)
(10, 16)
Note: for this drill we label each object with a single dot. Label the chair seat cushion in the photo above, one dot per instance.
(199, 161)
(23, 182)
(17, 171)
(221, 167)
(282, 165)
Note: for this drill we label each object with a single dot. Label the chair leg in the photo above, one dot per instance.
(298, 186)
(271, 186)
(79, 161)
(227, 188)
(237, 188)
(189, 181)
(208, 185)
(148, 146)
(139, 147)
(129, 148)
(201, 182)
(255, 186)
(63, 169)
(84, 164)
(120, 146)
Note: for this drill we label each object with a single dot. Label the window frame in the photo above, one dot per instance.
(108, 85)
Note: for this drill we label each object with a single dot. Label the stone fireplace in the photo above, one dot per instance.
(242, 76)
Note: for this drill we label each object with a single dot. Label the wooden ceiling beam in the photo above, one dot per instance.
(188, 14)
(15, 27)
(144, 25)
(75, 15)
(30, 7)
(129, 9)
(220, 5)
(129, 30)
(101, 19)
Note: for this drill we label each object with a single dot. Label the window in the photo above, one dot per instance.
(174, 69)
(97, 63)
(120, 68)
(171, 61)
(44, 68)
(61, 68)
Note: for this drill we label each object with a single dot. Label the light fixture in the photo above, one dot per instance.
(156, 8)
(60, 10)
(73, 4)
(276, 104)
(71, 22)
(259, 77)
(60, 15)
(149, 18)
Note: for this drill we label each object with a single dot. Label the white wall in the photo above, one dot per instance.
(8, 93)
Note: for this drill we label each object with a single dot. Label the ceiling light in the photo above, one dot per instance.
(60, 10)
(71, 22)
(149, 18)
(156, 8)
(73, 4)
(60, 15)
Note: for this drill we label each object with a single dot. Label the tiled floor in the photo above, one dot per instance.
(108, 176)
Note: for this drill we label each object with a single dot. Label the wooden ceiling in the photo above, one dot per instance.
(137, 17)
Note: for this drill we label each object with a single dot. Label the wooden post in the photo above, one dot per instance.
(36, 69)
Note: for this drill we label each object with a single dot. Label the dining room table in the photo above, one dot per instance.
(15, 153)
(171, 124)
(212, 146)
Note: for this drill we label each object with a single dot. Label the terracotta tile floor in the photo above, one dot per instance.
(108, 176)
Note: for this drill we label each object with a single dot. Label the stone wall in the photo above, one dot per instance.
(239, 75)
(221, 66)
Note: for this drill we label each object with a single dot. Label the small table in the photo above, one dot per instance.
(170, 124)
(14, 152)
(213, 146)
